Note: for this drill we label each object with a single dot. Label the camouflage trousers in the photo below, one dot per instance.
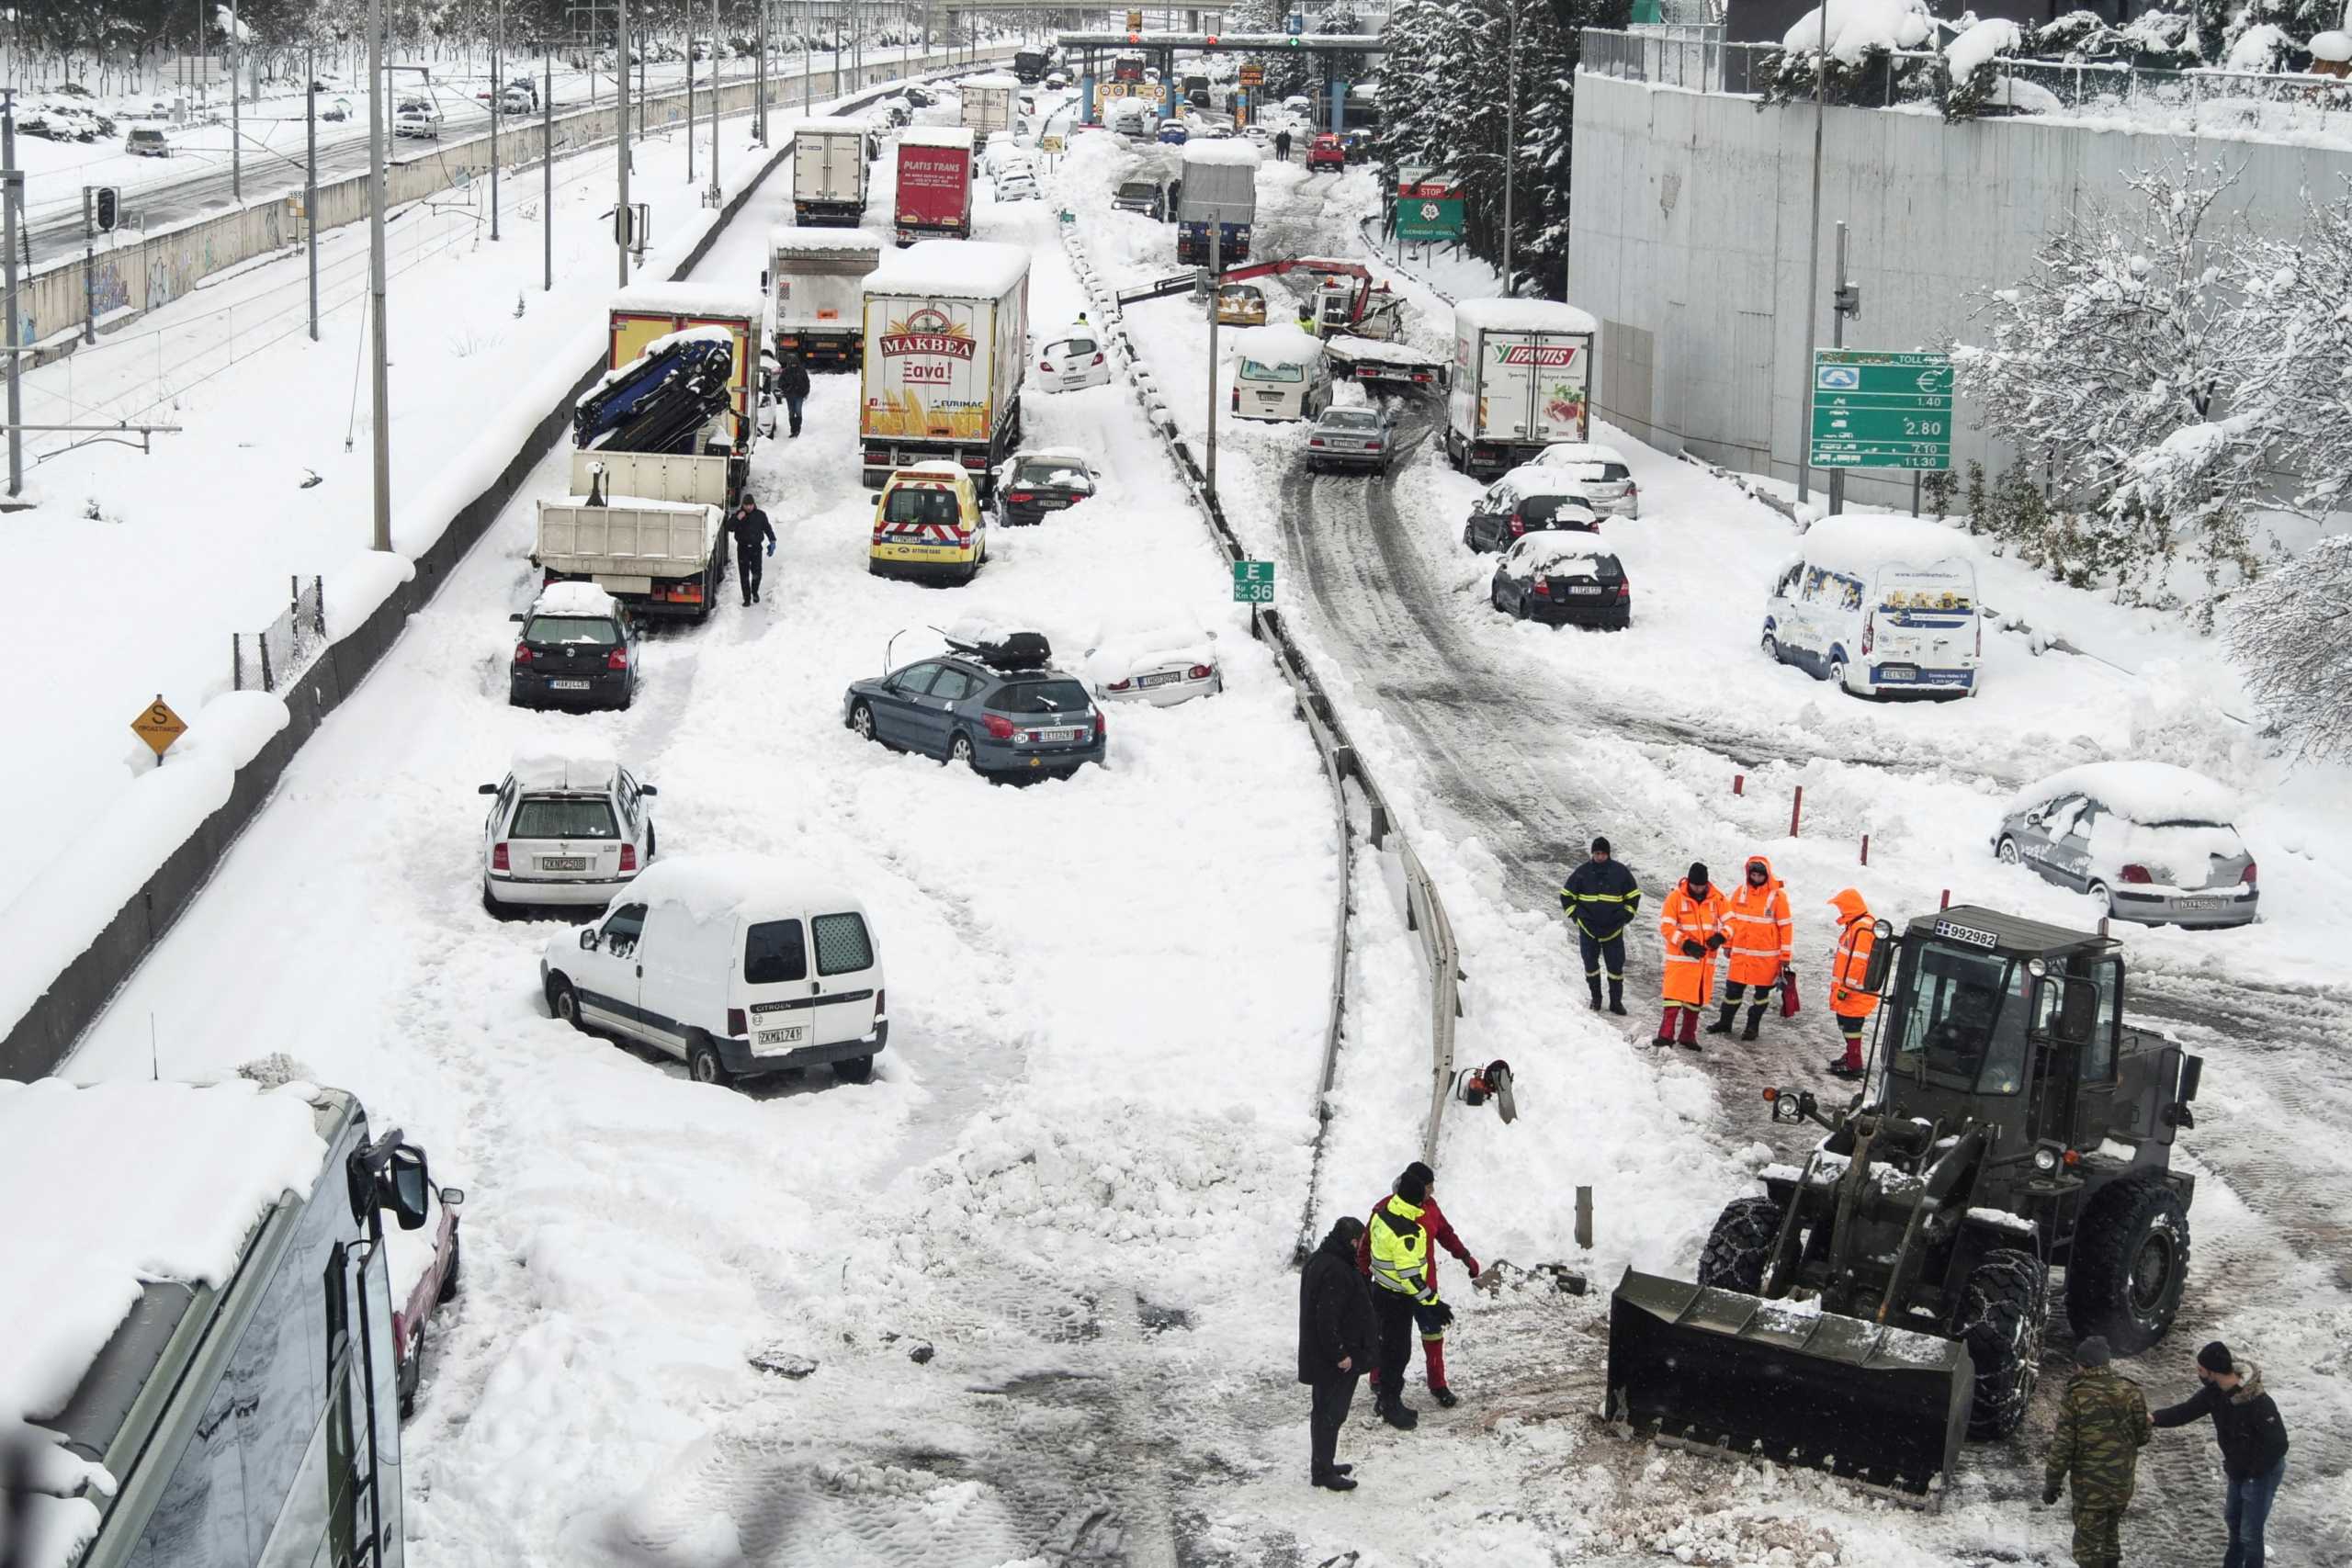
(2097, 1524)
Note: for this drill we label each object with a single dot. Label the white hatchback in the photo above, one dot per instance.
(1072, 361)
(563, 831)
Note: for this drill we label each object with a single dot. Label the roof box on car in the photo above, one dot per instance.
(1005, 649)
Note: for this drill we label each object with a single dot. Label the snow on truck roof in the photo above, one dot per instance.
(1523, 316)
(936, 136)
(959, 269)
(1863, 542)
(990, 79)
(1281, 344)
(688, 300)
(712, 887)
(834, 125)
(1230, 151)
(792, 237)
(2145, 791)
(93, 1229)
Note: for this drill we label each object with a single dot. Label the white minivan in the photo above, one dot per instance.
(733, 964)
(1879, 605)
(1279, 373)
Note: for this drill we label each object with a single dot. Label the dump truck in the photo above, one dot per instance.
(814, 282)
(644, 313)
(935, 183)
(646, 527)
(1886, 1298)
(830, 171)
(988, 106)
(946, 348)
(1220, 187)
(1522, 378)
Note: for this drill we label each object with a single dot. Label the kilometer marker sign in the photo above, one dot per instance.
(1876, 409)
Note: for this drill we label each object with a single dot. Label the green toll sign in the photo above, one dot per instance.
(1874, 410)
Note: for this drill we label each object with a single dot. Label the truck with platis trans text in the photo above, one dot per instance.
(947, 349)
(1522, 381)
(935, 196)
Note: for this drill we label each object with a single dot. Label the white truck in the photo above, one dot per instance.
(1522, 380)
(647, 528)
(830, 171)
(815, 281)
(946, 348)
(989, 106)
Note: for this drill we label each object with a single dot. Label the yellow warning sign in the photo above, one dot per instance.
(1049, 144)
(158, 726)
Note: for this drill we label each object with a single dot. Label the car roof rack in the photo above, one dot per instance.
(1012, 650)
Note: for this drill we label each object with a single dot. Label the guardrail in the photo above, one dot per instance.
(1342, 765)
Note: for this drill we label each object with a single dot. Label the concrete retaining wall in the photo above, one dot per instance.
(1690, 244)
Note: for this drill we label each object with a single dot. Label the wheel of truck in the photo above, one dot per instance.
(2001, 1315)
(2130, 1260)
(1740, 1247)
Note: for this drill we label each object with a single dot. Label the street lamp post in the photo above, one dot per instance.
(380, 389)
(1510, 147)
(620, 145)
(497, 47)
(714, 102)
(1812, 267)
(236, 93)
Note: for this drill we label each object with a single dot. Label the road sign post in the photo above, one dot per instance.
(158, 726)
(1253, 582)
(1875, 409)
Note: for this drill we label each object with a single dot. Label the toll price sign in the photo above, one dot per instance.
(1876, 409)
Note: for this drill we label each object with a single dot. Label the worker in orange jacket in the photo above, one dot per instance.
(1758, 922)
(1692, 928)
(1850, 1000)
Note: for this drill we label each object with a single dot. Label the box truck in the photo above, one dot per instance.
(1220, 187)
(644, 313)
(1523, 375)
(988, 106)
(813, 280)
(646, 527)
(829, 172)
(935, 183)
(946, 348)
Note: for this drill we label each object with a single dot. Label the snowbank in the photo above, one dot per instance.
(1857, 26)
(1279, 344)
(1994, 35)
(712, 887)
(2331, 45)
(2142, 791)
(953, 269)
(1523, 316)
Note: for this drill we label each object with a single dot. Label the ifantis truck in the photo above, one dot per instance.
(1522, 381)
(946, 347)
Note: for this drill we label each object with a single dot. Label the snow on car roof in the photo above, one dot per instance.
(573, 599)
(1580, 452)
(792, 237)
(1540, 477)
(1523, 316)
(1861, 541)
(2143, 791)
(688, 300)
(575, 767)
(959, 269)
(91, 1227)
(1225, 151)
(840, 124)
(937, 136)
(710, 888)
(1550, 548)
(1279, 344)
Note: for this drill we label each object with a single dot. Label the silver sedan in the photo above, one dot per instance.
(2176, 869)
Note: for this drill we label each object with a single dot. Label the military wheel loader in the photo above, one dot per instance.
(1887, 1297)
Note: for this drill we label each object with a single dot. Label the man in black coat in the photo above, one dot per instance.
(1281, 145)
(1336, 1344)
(2253, 1439)
(792, 381)
(1602, 899)
(749, 530)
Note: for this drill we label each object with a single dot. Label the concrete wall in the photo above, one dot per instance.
(1690, 244)
(145, 274)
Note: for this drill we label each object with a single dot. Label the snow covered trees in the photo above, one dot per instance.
(2292, 637)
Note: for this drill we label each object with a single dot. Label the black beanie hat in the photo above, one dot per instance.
(1421, 1173)
(2215, 1357)
(1697, 875)
(1412, 1189)
(1601, 846)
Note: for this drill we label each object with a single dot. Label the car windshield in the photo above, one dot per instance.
(1352, 419)
(1256, 370)
(562, 817)
(1039, 697)
(1965, 1029)
(593, 631)
(1051, 473)
(910, 505)
(1135, 190)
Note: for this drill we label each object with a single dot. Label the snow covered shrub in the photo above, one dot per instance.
(1862, 37)
(2294, 641)
(2297, 340)
(1970, 67)
(2166, 39)
(2079, 38)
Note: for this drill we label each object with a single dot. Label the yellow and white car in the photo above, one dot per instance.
(928, 525)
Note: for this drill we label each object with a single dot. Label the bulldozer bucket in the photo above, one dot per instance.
(1709, 1368)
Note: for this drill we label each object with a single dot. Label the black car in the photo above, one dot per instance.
(1035, 484)
(993, 703)
(1503, 514)
(578, 649)
(1564, 579)
(1141, 196)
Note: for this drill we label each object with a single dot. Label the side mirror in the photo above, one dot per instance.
(452, 1197)
(2193, 1073)
(517, 619)
(2077, 1011)
(486, 789)
(2034, 818)
(588, 939)
(764, 279)
(648, 790)
(1874, 970)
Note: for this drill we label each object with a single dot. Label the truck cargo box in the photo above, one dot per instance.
(935, 183)
(814, 282)
(1522, 378)
(947, 349)
(830, 171)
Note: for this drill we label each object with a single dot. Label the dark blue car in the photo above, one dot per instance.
(997, 708)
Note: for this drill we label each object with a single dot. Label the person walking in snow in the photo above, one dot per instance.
(1602, 898)
(1338, 1339)
(2254, 1445)
(792, 381)
(1281, 145)
(2102, 1426)
(1424, 1181)
(749, 530)
(1852, 1002)
(1692, 925)
(1759, 925)
(1397, 1251)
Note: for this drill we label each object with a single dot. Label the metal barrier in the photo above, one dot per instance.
(1342, 764)
(270, 658)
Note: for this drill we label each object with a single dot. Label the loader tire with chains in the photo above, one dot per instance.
(1740, 1246)
(2129, 1262)
(2002, 1311)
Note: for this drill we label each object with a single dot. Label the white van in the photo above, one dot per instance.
(731, 963)
(1879, 605)
(1279, 373)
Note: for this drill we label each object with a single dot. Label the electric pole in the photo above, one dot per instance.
(1217, 258)
(1812, 273)
(12, 195)
(497, 46)
(1510, 146)
(236, 94)
(620, 146)
(311, 181)
(714, 102)
(547, 173)
(381, 399)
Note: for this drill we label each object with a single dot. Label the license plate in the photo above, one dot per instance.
(1270, 399)
(796, 1034)
(1582, 590)
(563, 863)
(1056, 734)
(1898, 672)
(567, 685)
(2200, 903)
(1159, 680)
(1048, 505)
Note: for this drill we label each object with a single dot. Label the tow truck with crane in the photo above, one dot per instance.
(1360, 318)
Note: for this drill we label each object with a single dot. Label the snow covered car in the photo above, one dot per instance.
(146, 141)
(1057, 80)
(1603, 479)
(1280, 373)
(1878, 606)
(1240, 305)
(993, 703)
(1530, 499)
(1358, 437)
(1564, 579)
(419, 122)
(577, 649)
(1017, 184)
(1073, 361)
(2150, 841)
(1037, 484)
(565, 828)
(1141, 196)
(1174, 134)
(1163, 664)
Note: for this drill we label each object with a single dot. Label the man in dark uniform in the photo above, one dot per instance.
(792, 381)
(1602, 899)
(750, 529)
(1336, 1343)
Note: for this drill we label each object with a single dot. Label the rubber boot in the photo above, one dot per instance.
(1593, 982)
(1399, 1413)
(1433, 1358)
(1665, 1027)
(1723, 1019)
(1690, 1037)
(1755, 1021)
(1617, 997)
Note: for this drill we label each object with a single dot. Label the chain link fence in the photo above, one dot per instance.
(272, 658)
